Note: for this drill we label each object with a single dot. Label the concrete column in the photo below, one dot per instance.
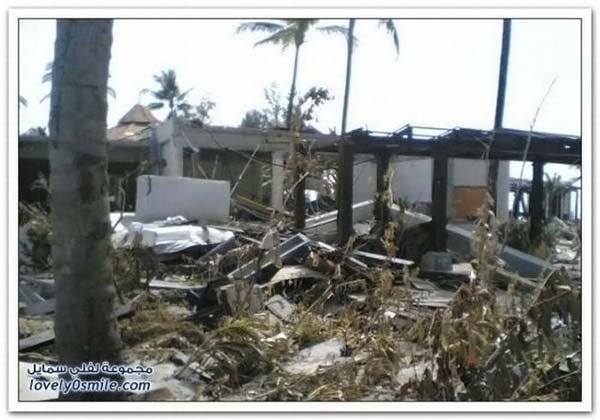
(439, 210)
(277, 177)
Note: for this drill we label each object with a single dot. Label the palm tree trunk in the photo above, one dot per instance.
(85, 326)
(293, 91)
(345, 157)
(350, 41)
(299, 152)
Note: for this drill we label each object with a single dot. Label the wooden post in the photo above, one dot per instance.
(382, 211)
(345, 180)
(536, 201)
(439, 200)
(299, 187)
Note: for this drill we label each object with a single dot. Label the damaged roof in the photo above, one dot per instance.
(134, 125)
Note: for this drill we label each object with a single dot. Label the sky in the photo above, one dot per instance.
(445, 75)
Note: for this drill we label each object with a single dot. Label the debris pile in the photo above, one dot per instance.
(249, 311)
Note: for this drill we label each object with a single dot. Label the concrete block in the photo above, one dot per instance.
(159, 197)
(459, 241)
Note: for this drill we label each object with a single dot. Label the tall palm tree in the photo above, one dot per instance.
(47, 77)
(344, 184)
(287, 32)
(85, 325)
(390, 28)
(169, 93)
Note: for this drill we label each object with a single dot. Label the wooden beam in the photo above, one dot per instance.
(471, 144)
(536, 201)
(439, 200)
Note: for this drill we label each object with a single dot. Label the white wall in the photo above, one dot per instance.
(412, 179)
(365, 178)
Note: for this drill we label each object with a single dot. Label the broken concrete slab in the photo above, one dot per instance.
(28, 295)
(41, 308)
(220, 249)
(240, 296)
(280, 307)
(459, 241)
(296, 246)
(308, 360)
(159, 197)
(47, 336)
(327, 222)
(174, 239)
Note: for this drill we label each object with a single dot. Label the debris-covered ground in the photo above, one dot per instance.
(252, 311)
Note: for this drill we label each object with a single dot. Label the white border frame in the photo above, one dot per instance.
(585, 14)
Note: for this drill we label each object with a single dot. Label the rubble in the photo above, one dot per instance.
(252, 311)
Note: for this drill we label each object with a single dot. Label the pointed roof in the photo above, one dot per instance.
(139, 114)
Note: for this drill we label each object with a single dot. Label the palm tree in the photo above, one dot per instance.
(287, 32)
(85, 326)
(390, 28)
(554, 190)
(169, 93)
(47, 77)
(345, 163)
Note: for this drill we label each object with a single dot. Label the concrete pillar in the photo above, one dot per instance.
(277, 177)
(440, 200)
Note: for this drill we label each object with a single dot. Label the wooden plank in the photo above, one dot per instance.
(467, 200)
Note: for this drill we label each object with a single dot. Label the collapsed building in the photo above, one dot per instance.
(249, 265)
(229, 293)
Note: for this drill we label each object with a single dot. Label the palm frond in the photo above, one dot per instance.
(23, 101)
(182, 96)
(284, 37)
(337, 30)
(334, 29)
(45, 97)
(111, 92)
(259, 27)
(47, 77)
(155, 105)
(390, 28)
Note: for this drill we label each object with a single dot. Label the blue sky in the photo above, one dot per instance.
(445, 74)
